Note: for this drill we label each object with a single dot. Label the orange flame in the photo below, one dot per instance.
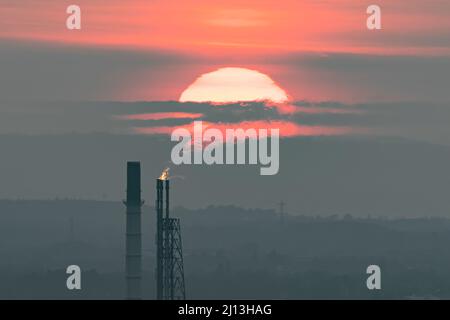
(165, 174)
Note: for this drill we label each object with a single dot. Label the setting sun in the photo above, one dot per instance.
(234, 85)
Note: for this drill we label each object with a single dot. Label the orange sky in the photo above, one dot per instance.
(229, 26)
(167, 44)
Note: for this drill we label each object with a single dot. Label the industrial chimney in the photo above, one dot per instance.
(159, 239)
(169, 252)
(133, 263)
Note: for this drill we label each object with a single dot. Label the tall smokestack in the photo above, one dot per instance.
(159, 239)
(168, 244)
(167, 198)
(169, 254)
(133, 263)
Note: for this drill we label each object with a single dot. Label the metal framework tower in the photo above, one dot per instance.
(133, 262)
(169, 251)
(173, 261)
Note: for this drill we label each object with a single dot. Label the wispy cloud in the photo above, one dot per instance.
(248, 115)
(160, 116)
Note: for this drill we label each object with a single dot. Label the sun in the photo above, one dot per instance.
(233, 85)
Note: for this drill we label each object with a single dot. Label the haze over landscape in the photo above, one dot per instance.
(364, 148)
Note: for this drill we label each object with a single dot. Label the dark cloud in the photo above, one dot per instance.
(412, 120)
(364, 77)
(36, 71)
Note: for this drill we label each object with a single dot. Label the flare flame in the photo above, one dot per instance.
(165, 174)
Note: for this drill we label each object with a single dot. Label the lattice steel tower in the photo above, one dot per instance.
(169, 251)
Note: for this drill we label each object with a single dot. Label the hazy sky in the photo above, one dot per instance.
(341, 79)
(152, 50)
(312, 51)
